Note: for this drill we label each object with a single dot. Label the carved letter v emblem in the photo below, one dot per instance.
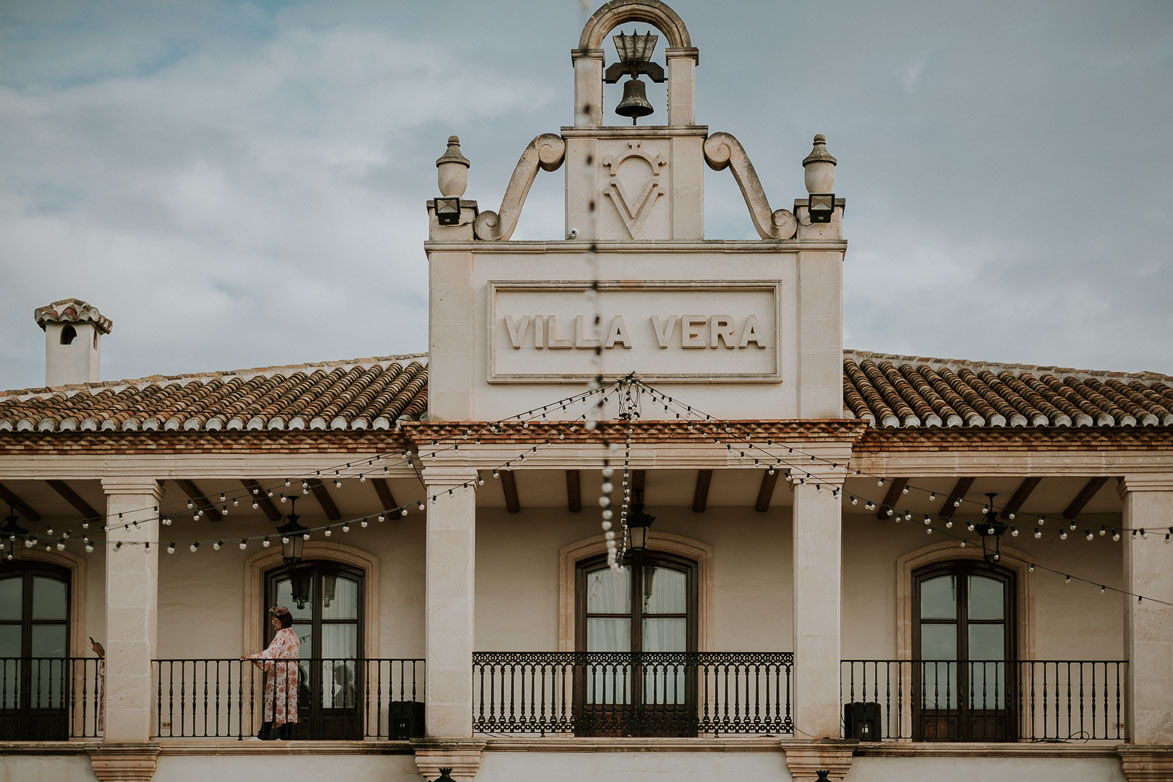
(634, 218)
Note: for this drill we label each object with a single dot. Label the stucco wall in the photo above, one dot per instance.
(1071, 621)
(201, 597)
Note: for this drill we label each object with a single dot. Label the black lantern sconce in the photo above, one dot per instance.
(292, 546)
(639, 522)
(11, 528)
(992, 530)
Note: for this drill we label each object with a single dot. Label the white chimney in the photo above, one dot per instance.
(73, 341)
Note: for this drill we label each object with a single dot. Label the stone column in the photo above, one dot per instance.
(449, 583)
(682, 62)
(132, 588)
(1148, 632)
(818, 555)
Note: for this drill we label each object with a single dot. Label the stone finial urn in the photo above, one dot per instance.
(452, 170)
(819, 168)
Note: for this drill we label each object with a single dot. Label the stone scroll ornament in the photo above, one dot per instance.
(547, 152)
(723, 151)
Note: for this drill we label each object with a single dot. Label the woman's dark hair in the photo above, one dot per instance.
(283, 616)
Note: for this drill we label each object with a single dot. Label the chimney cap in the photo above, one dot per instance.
(72, 311)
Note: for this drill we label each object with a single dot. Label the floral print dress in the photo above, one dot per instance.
(281, 678)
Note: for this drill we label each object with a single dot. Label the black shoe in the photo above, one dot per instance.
(266, 732)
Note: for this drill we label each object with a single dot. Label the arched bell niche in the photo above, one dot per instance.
(595, 54)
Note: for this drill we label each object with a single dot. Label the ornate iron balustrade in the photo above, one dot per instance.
(337, 698)
(50, 698)
(633, 694)
(985, 700)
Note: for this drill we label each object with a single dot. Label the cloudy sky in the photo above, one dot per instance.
(243, 184)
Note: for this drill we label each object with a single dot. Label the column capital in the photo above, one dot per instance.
(819, 475)
(448, 474)
(1160, 482)
(135, 485)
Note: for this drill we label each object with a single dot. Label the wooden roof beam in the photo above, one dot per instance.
(895, 490)
(261, 497)
(700, 495)
(18, 505)
(960, 489)
(1020, 496)
(573, 491)
(322, 495)
(766, 490)
(509, 487)
(1085, 494)
(383, 489)
(199, 499)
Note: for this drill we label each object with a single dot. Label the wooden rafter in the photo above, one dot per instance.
(766, 490)
(700, 495)
(73, 498)
(262, 499)
(509, 487)
(960, 489)
(19, 505)
(383, 489)
(895, 489)
(322, 495)
(573, 491)
(1085, 494)
(199, 498)
(1021, 494)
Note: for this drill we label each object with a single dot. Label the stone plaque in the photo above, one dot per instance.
(681, 331)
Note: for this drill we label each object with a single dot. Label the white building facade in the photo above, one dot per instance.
(635, 512)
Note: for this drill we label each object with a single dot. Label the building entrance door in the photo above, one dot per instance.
(34, 644)
(636, 631)
(964, 652)
(328, 622)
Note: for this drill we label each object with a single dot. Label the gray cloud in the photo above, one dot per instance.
(237, 186)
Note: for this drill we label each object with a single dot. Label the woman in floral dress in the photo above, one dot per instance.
(281, 678)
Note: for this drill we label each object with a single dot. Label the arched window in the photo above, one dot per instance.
(326, 600)
(34, 644)
(636, 628)
(68, 334)
(963, 638)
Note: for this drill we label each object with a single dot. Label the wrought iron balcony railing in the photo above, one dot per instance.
(50, 698)
(984, 700)
(633, 694)
(336, 698)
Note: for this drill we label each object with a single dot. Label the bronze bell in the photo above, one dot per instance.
(635, 101)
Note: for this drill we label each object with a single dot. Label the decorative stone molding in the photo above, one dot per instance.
(1147, 764)
(617, 12)
(125, 762)
(462, 757)
(79, 645)
(666, 542)
(258, 564)
(547, 152)
(805, 759)
(723, 151)
(1013, 559)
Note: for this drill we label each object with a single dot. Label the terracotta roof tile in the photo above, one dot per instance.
(361, 394)
(912, 391)
(886, 391)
